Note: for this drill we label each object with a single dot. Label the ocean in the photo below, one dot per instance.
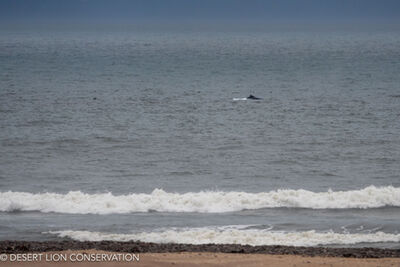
(143, 132)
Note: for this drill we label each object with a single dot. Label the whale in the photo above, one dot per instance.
(252, 97)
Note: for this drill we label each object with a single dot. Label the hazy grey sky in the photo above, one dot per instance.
(265, 10)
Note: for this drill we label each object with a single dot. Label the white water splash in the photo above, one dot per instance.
(235, 236)
(206, 201)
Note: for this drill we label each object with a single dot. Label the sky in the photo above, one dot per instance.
(200, 10)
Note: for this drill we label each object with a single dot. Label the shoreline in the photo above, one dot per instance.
(72, 258)
(12, 247)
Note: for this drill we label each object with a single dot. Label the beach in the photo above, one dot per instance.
(151, 254)
(179, 259)
(143, 139)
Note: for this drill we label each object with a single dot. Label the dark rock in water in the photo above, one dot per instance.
(141, 247)
(252, 97)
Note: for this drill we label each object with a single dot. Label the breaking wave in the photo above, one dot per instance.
(77, 202)
(235, 236)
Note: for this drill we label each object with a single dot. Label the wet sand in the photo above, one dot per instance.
(152, 254)
(141, 247)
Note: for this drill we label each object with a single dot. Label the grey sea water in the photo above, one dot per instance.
(141, 129)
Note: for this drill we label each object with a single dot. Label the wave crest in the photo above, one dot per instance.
(77, 202)
(235, 236)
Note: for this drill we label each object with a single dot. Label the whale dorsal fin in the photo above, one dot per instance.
(253, 97)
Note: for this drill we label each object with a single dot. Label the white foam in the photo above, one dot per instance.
(236, 236)
(240, 99)
(205, 201)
